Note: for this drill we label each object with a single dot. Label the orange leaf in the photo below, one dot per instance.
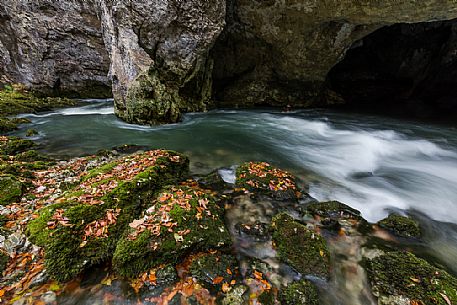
(218, 280)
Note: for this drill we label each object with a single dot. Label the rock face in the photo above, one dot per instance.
(280, 52)
(168, 57)
(159, 56)
(55, 47)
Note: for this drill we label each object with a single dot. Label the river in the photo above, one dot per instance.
(374, 164)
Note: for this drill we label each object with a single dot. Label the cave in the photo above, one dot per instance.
(407, 70)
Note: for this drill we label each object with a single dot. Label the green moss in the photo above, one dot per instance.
(300, 293)
(403, 274)
(267, 298)
(303, 249)
(194, 229)
(3, 261)
(332, 209)
(76, 234)
(3, 220)
(7, 125)
(14, 145)
(261, 177)
(205, 269)
(30, 156)
(401, 225)
(10, 189)
(18, 101)
(31, 133)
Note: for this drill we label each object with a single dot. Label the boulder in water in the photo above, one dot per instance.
(300, 293)
(401, 226)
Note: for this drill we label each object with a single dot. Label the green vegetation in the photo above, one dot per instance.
(212, 270)
(403, 274)
(401, 226)
(303, 249)
(84, 228)
(300, 293)
(183, 219)
(333, 209)
(10, 189)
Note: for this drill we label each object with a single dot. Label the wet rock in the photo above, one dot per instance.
(300, 247)
(397, 276)
(14, 242)
(401, 226)
(257, 231)
(31, 133)
(83, 227)
(10, 190)
(54, 47)
(49, 298)
(183, 219)
(236, 296)
(262, 178)
(212, 271)
(212, 181)
(300, 293)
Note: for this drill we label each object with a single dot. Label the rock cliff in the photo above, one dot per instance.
(55, 47)
(167, 57)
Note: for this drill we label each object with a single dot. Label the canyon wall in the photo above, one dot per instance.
(167, 57)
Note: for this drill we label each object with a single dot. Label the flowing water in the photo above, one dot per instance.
(371, 163)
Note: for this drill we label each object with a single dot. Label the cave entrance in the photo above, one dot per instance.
(403, 69)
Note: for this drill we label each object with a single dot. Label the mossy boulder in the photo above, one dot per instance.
(14, 145)
(10, 189)
(401, 226)
(333, 209)
(30, 156)
(300, 247)
(403, 274)
(262, 178)
(214, 270)
(183, 219)
(300, 293)
(7, 125)
(83, 227)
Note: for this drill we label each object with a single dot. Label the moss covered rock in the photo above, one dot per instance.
(13, 145)
(263, 178)
(183, 219)
(10, 189)
(303, 249)
(401, 226)
(82, 228)
(300, 293)
(333, 209)
(214, 270)
(403, 274)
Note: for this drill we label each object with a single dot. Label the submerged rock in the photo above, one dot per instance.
(82, 227)
(401, 275)
(401, 226)
(10, 189)
(181, 220)
(301, 248)
(300, 293)
(262, 178)
(213, 271)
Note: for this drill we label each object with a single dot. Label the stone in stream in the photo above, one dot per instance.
(212, 181)
(262, 178)
(10, 189)
(213, 270)
(183, 219)
(302, 248)
(401, 226)
(397, 276)
(82, 227)
(300, 293)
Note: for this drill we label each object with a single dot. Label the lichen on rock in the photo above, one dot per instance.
(302, 292)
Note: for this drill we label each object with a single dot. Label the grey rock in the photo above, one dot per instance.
(54, 47)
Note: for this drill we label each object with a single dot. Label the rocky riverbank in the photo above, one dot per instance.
(136, 226)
